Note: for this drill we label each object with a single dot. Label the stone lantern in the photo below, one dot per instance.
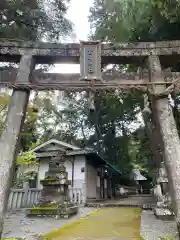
(163, 209)
(55, 184)
(55, 200)
(163, 179)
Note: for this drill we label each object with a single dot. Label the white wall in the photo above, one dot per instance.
(91, 181)
(98, 181)
(105, 183)
(79, 177)
(43, 168)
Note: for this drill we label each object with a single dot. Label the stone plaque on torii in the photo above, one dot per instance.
(90, 60)
(90, 66)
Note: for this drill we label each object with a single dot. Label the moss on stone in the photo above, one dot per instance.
(47, 205)
(46, 209)
(48, 180)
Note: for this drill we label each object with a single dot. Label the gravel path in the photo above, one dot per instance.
(17, 225)
(153, 228)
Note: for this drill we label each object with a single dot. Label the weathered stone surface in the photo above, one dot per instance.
(55, 200)
(34, 237)
(111, 80)
(153, 228)
(169, 136)
(163, 214)
(9, 138)
(19, 226)
(90, 60)
(44, 52)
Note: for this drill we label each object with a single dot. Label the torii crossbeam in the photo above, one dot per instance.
(71, 82)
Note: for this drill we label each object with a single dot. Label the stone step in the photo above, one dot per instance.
(110, 205)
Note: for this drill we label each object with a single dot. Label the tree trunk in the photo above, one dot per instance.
(10, 136)
(169, 136)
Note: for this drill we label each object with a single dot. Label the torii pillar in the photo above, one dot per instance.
(12, 129)
(169, 134)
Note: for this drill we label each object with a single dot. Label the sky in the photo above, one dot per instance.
(78, 13)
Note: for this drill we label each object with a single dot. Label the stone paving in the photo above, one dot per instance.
(153, 228)
(141, 201)
(18, 225)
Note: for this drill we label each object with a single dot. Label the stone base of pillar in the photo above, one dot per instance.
(163, 209)
(164, 214)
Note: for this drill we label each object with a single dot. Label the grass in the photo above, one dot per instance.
(12, 238)
(108, 222)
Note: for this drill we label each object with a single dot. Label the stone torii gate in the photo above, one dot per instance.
(158, 83)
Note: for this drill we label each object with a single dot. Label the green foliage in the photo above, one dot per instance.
(107, 130)
(26, 158)
(24, 177)
(27, 136)
(111, 119)
(118, 21)
(33, 20)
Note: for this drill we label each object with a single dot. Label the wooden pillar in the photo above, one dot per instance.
(102, 183)
(73, 161)
(169, 135)
(113, 186)
(110, 187)
(10, 136)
